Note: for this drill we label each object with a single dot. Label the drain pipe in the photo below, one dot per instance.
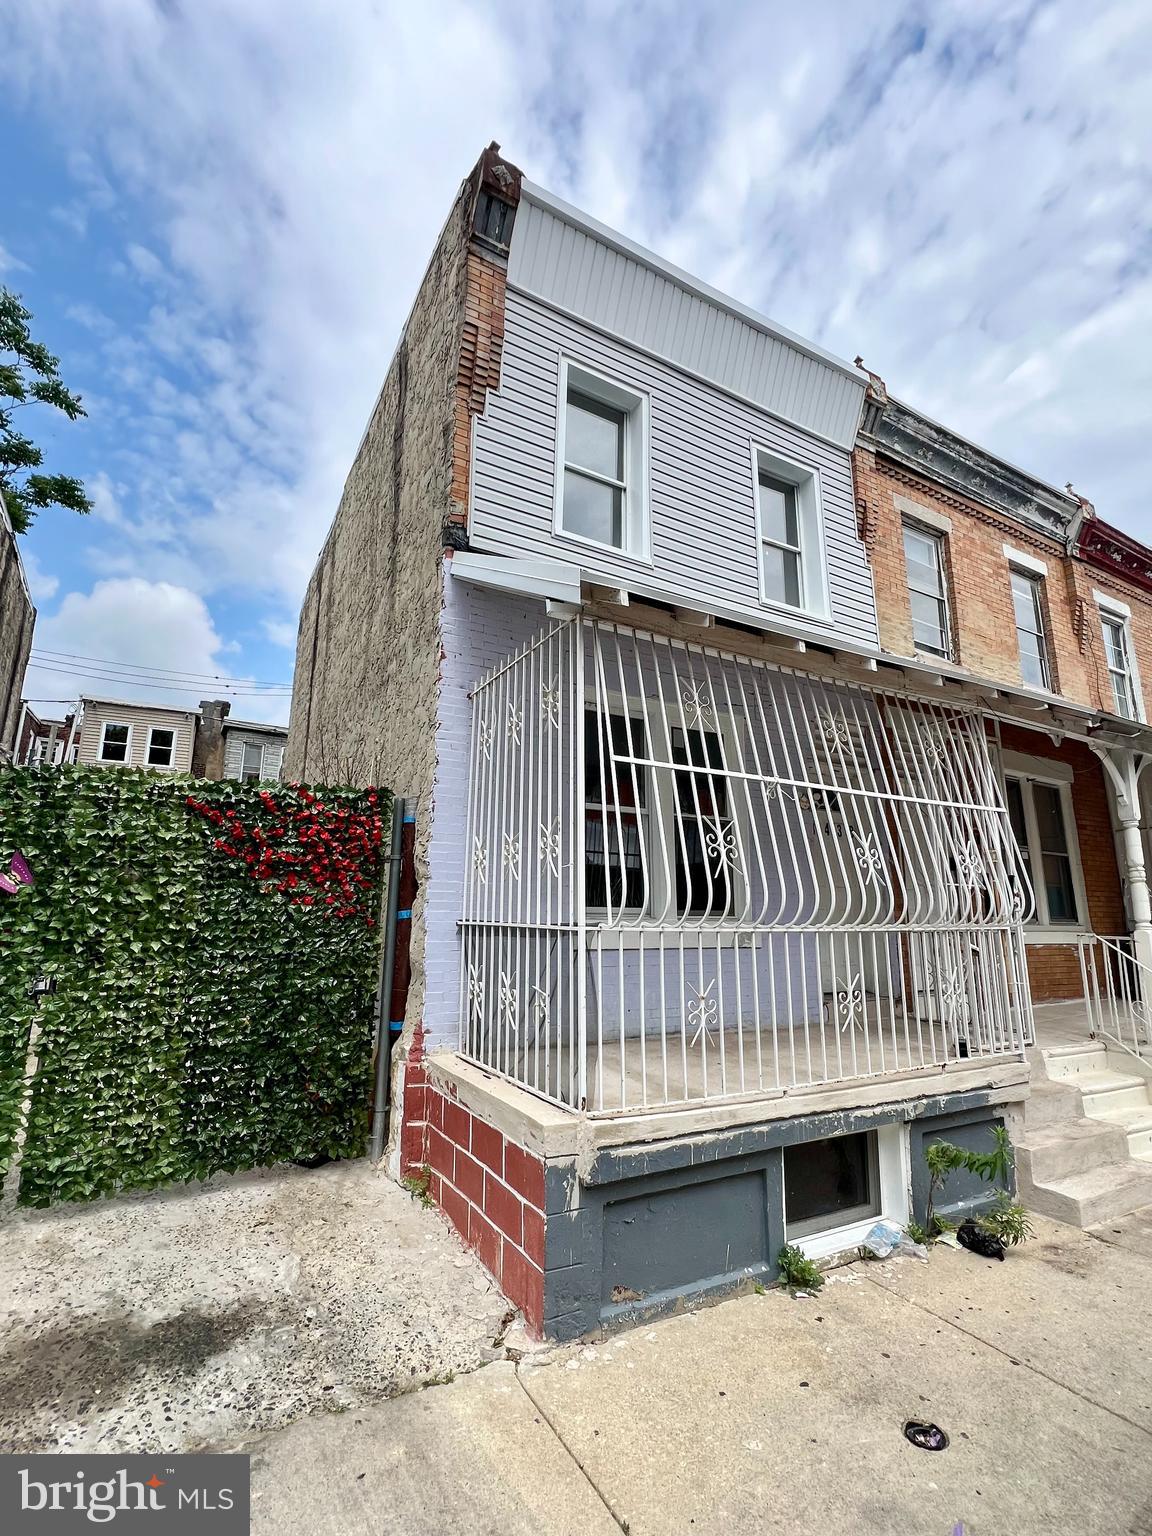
(384, 989)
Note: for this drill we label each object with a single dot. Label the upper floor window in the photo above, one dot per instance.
(114, 742)
(602, 492)
(161, 747)
(1027, 603)
(252, 761)
(788, 518)
(1120, 670)
(928, 590)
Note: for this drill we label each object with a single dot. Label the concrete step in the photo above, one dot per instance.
(1059, 1150)
(1051, 1104)
(1084, 1199)
(1105, 1091)
(1136, 1123)
(1065, 1061)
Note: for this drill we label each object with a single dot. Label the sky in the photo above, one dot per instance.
(219, 211)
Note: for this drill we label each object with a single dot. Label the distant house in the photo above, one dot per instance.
(253, 751)
(114, 733)
(108, 733)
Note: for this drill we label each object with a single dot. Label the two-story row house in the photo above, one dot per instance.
(736, 871)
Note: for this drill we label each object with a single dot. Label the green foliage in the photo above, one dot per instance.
(204, 1020)
(994, 1166)
(29, 375)
(918, 1234)
(419, 1185)
(796, 1271)
(1007, 1219)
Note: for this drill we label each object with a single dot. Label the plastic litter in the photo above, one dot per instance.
(886, 1239)
(928, 1437)
(977, 1240)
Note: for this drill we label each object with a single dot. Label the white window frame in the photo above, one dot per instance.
(127, 758)
(939, 537)
(171, 763)
(662, 804)
(636, 521)
(1035, 580)
(258, 746)
(1115, 612)
(1040, 770)
(814, 595)
(895, 1177)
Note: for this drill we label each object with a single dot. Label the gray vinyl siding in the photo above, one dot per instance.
(585, 270)
(703, 502)
(234, 744)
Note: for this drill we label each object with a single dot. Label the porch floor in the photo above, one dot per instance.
(1062, 1024)
(641, 1072)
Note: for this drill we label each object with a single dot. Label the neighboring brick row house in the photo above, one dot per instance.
(763, 761)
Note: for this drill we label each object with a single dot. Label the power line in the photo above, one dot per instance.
(132, 666)
(160, 684)
(110, 674)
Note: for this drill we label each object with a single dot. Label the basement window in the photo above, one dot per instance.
(830, 1184)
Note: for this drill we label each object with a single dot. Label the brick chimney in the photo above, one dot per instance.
(208, 747)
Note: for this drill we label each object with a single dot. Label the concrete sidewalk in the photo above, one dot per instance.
(768, 1414)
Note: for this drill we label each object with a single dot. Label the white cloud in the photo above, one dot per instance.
(958, 192)
(95, 640)
(41, 583)
(280, 632)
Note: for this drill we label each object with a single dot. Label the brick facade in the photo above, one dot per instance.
(490, 1189)
(984, 642)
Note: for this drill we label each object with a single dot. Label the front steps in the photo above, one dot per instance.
(1086, 1153)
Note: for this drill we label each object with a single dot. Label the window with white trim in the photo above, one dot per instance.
(115, 741)
(1118, 655)
(788, 520)
(252, 761)
(602, 493)
(1041, 817)
(1028, 607)
(928, 590)
(161, 747)
(615, 813)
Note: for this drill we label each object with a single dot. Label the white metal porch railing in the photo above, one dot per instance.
(692, 875)
(1117, 993)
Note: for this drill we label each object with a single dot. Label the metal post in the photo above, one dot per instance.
(384, 988)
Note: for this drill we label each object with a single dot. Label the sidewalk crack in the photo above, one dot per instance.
(584, 1472)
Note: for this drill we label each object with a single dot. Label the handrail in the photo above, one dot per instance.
(1117, 992)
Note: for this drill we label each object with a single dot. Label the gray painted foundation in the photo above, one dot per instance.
(648, 1229)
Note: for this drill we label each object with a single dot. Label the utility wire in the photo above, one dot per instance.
(236, 690)
(132, 666)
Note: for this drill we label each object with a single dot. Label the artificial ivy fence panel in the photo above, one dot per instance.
(215, 952)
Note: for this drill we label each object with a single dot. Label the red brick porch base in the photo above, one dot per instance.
(491, 1190)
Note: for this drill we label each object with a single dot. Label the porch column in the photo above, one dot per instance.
(1123, 768)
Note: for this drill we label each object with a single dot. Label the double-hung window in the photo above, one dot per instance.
(602, 489)
(1041, 817)
(928, 590)
(114, 742)
(161, 747)
(790, 539)
(615, 813)
(1028, 607)
(1120, 670)
(781, 552)
(252, 761)
(705, 838)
